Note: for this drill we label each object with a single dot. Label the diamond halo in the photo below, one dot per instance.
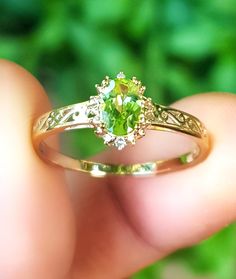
(120, 113)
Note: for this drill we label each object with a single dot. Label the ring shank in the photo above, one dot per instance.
(166, 119)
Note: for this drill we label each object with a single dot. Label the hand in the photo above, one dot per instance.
(104, 228)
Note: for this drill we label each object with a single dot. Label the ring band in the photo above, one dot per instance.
(121, 115)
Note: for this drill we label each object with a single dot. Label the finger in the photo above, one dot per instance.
(135, 221)
(36, 218)
(187, 206)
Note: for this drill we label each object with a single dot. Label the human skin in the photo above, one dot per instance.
(67, 225)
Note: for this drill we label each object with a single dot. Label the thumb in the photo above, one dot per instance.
(36, 217)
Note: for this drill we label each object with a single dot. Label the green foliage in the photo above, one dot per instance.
(176, 47)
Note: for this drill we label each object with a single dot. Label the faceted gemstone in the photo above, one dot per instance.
(120, 143)
(122, 107)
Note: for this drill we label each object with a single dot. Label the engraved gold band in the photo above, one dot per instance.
(162, 118)
(120, 114)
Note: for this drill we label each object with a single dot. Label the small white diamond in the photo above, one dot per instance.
(99, 130)
(121, 75)
(141, 132)
(108, 138)
(131, 138)
(120, 143)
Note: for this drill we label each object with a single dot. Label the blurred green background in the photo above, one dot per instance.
(176, 47)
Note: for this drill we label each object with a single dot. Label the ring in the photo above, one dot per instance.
(121, 115)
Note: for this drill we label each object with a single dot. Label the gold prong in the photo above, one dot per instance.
(141, 132)
(104, 83)
(135, 81)
(142, 89)
(133, 142)
(142, 118)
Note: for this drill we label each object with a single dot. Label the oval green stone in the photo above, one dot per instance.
(122, 107)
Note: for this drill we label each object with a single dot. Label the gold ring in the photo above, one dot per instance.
(121, 115)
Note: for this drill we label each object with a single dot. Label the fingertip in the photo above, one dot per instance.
(19, 86)
(35, 209)
(179, 209)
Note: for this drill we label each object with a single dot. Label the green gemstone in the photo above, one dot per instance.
(122, 107)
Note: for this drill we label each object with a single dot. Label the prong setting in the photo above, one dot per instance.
(120, 75)
(96, 108)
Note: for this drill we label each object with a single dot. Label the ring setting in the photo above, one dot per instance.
(120, 113)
